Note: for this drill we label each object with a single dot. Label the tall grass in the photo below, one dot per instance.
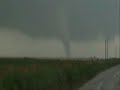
(37, 74)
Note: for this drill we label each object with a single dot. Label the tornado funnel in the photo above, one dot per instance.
(62, 20)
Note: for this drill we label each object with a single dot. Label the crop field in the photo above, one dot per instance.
(49, 74)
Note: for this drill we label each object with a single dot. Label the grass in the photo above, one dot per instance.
(46, 74)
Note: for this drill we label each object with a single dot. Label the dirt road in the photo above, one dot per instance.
(107, 80)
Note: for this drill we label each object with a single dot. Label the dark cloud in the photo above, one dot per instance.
(37, 18)
(90, 17)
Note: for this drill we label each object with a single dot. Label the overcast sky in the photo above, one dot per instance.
(33, 24)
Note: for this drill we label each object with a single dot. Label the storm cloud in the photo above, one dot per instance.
(37, 18)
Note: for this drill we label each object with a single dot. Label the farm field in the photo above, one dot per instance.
(49, 74)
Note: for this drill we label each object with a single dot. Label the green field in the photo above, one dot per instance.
(49, 74)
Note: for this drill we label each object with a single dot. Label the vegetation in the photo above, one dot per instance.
(46, 74)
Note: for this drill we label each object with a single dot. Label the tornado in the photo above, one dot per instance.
(62, 20)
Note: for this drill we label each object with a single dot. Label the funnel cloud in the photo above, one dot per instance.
(68, 21)
(63, 26)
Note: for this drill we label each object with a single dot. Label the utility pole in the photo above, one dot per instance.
(106, 49)
(115, 51)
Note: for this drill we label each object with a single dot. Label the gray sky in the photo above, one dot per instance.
(31, 27)
(87, 18)
(16, 43)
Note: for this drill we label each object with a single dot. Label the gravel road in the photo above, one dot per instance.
(107, 80)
